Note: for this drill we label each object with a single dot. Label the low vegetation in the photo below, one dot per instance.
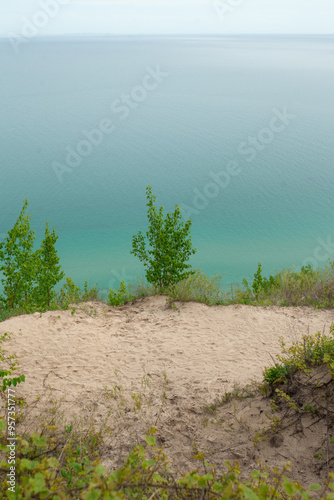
(287, 288)
(30, 278)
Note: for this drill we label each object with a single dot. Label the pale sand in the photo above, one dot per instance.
(202, 350)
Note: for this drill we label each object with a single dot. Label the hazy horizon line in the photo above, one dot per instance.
(175, 34)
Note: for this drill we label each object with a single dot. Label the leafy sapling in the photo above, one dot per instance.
(49, 271)
(121, 297)
(262, 284)
(17, 262)
(170, 243)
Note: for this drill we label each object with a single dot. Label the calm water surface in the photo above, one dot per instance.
(198, 107)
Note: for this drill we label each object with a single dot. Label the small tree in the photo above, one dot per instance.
(169, 243)
(17, 262)
(49, 271)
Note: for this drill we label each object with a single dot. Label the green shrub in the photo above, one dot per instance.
(140, 288)
(289, 287)
(76, 473)
(197, 287)
(312, 350)
(121, 297)
(17, 261)
(278, 372)
(70, 293)
(90, 294)
(29, 277)
(8, 365)
(170, 243)
(48, 270)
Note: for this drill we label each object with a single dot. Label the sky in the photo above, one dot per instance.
(144, 17)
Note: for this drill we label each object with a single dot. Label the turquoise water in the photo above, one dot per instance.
(174, 134)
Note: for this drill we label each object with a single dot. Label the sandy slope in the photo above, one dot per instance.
(202, 350)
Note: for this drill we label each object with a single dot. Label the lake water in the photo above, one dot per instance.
(238, 131)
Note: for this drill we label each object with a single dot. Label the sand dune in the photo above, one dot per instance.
(202, 349)
(88, 355)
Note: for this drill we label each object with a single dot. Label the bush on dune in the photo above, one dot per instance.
(289, 287)
(29, 277)
(169, 246)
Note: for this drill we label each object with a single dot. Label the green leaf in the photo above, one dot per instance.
(315, 487)
(77, 467)
(100, 470)
(39, 441)
(255, 474)
(149, 463)
(157, 478)
(289, 488)
(11, 495)
(263, 491)
(93, 494)
(53, 462)
(26, 464)
(115, 496)
(150, 440)
(203, 480)
(37, 483)
(248, 493)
